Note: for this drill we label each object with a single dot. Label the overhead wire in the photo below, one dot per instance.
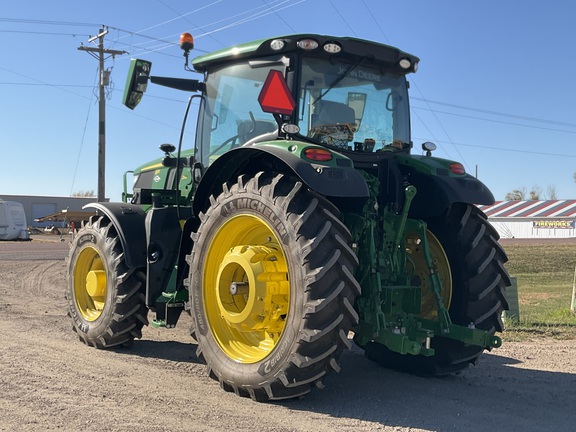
(185, 18)
(252, 18)
(497, 121)
(247, 16)
(523, 151)
(47, 22)
(278, 15)
(498, 113)
(83, 136)
(412, 80)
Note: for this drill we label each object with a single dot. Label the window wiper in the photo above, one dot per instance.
(340, 78)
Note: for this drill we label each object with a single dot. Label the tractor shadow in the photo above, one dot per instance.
(497, 394)
(172, 351)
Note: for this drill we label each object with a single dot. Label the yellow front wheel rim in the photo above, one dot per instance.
(90, 284)
(246, 289)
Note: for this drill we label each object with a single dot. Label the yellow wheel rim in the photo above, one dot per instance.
(90, 284)
(429, 305)
(246, 289)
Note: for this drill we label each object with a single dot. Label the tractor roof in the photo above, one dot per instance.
(381, 54)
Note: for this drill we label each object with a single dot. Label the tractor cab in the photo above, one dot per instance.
(344, 95)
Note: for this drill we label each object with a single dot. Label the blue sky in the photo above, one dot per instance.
(495, 87)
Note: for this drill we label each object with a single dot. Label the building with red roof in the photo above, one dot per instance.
(533, 219)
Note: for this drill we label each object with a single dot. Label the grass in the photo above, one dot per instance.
(545, 277)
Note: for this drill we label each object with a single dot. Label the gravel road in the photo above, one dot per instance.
(51, 381)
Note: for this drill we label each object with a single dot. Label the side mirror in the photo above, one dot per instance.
(136, 83)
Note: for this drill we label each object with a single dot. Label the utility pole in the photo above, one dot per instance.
(98, 53)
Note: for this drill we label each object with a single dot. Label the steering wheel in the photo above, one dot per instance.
(230, 140)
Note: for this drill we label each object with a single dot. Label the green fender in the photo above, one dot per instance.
(438, 187)
(337, 182)
(128, 220)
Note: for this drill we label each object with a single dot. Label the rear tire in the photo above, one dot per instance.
(105, 297)
(285, 250)
(479, 281)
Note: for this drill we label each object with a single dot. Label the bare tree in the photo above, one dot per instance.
(535, 194)
(551, 193)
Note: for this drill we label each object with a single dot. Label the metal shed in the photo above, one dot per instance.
(533, 219)
(37, 207)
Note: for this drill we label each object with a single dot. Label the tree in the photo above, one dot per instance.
(516, 195)
(86, 194)
(551, 192)
(535, 194)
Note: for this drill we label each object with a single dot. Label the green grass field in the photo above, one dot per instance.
(545, 276)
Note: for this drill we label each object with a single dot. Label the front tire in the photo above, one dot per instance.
(479, 281)
(105, 297)
(271, 288)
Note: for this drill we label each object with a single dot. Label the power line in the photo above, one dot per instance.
(47, 22)
(342, 17)
(188, 21)
(44, 84)
(179, 17)
(278, 15)
(497, 113)
(255, 16)
(83, 136)
(419, 91)
(496, 121)
(523, 151)
(44, 33)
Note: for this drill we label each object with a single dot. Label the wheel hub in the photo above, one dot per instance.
(252, 284)
(96, 283)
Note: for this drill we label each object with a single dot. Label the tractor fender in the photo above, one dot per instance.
(437, 193)
(333, 182)
(128, 220)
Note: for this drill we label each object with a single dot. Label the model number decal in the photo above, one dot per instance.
(86, 238)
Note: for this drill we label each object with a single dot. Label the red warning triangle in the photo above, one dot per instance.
(275, 96)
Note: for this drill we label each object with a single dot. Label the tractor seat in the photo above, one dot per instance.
(247, 130)
(331, 113)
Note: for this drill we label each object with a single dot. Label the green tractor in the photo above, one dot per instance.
(297, 223)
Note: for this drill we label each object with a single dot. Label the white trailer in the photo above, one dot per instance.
(13, 221)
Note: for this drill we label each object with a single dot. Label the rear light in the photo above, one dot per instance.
(405, 63)
(318, 154)
(307, 44)
(457, 168)
(332, 48)
(277, 44)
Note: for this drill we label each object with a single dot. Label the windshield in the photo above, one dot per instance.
(233, 115)
(353, 106)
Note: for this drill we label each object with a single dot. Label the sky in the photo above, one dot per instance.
(495, 88)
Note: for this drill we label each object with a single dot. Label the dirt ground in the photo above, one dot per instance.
(51, 381)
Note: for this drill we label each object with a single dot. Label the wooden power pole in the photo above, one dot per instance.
(98, 53)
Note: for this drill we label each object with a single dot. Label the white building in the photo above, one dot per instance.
(533, 219)
(36, 207)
